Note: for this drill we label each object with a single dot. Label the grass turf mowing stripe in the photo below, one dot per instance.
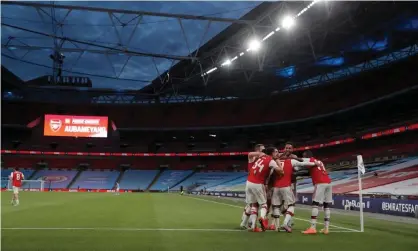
(226, 204)
(142, 229)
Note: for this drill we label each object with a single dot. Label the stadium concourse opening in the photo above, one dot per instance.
(209, 125)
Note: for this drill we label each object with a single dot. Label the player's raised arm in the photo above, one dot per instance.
(253, 155)
(297, 158)
(257, 153)
(298, 164)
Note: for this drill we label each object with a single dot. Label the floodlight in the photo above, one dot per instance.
(288, 22)
(268, 35)
(211, 70)
(227, 62)
(254, 45)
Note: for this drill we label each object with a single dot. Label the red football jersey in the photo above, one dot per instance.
(286, 179)
(319, 173)
(260, 170)
(17, 178)
(250, 166)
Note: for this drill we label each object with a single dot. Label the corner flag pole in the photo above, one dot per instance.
(361, 170)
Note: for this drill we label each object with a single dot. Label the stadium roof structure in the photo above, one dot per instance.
(127, 44)
(329, 41)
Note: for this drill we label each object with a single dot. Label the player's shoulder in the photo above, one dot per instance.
(267, 157)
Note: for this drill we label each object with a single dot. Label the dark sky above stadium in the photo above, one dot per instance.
(154, 35)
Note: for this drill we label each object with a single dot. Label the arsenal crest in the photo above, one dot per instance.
(55, 124)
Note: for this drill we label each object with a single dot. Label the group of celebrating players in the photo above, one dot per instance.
(269, 189)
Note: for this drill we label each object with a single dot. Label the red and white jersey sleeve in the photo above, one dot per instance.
(273, 164)
(297, 164)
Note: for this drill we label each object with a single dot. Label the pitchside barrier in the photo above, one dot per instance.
(398, 207)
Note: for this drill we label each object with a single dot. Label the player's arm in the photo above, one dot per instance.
(298, 164)
(297, 158)
(254, 155)
(276, 167)
(268, 178)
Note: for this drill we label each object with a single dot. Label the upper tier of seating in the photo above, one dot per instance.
(96, 180)
(306, 103)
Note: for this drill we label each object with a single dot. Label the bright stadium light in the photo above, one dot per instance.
(227, 62)
(254, 45)
(212, 70)
(268, 35)
(288, 22)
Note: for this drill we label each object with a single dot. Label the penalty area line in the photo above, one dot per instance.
(226, 204)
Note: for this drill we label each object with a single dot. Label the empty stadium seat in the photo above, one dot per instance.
(96, 180)
(169, 178)
(137, 179)
(55, 178)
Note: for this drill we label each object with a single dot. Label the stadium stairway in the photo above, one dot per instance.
(155, 179)
(225, 182)
(33, 174)
(119, 178)
(185, 178)
(75, 178)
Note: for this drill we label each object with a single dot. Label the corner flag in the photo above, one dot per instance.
(360, 164)
(362, 170)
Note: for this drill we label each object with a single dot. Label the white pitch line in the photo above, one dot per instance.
(226, 204)
(123, 229)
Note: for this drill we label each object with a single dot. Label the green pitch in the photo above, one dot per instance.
(143, 221)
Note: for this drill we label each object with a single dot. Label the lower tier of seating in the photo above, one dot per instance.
(169, 179)
(137, 179)
(383, 175)
(96, 180)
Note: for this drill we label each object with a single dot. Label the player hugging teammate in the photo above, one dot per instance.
(271, 173)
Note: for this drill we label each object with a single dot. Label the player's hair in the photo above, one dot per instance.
(289, 143)
(308, 154)
(258, 147)
(16, 169)
(269, 150)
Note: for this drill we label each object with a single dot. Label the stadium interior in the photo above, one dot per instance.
(342, 83)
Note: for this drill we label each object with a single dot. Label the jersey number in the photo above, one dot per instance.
(18, 176)
(258, 166)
